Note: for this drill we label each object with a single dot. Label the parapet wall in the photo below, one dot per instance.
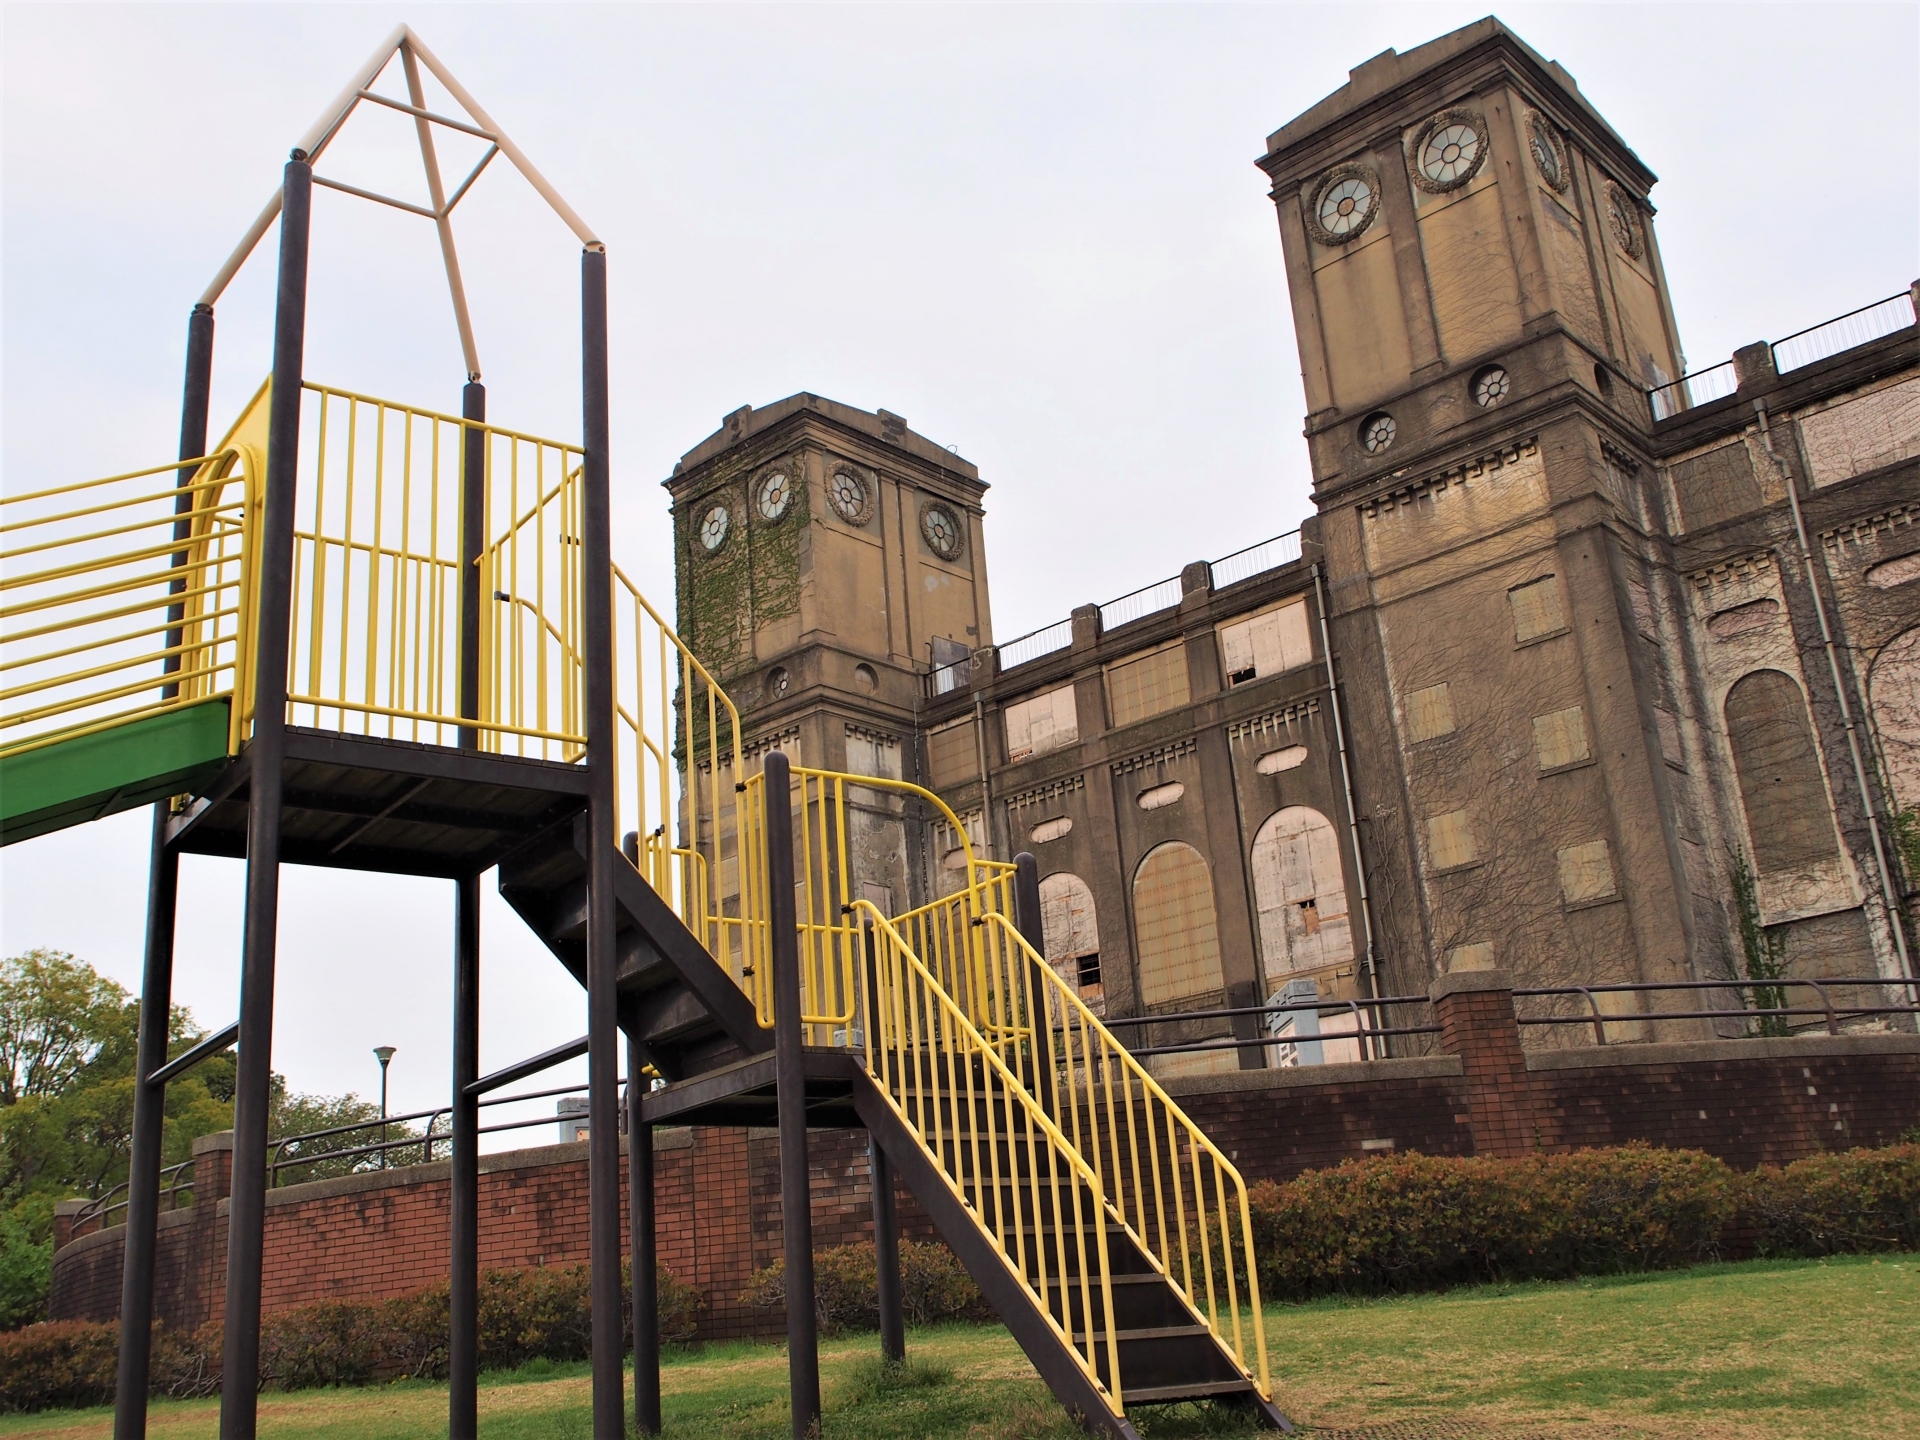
(384, 1233)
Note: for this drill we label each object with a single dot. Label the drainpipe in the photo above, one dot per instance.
(1887, 897)
(986, 784)
(1346, 780)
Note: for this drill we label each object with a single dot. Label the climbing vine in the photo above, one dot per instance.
(1764, 951)
(753, 578)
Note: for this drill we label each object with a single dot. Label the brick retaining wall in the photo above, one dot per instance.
(718, 1193)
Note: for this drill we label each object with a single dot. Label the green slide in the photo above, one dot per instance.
(101, 774)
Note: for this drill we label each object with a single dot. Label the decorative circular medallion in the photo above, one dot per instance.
(1343, 204)
(1490, 386)
(850, 495)
(1377, 432)
(1623, 218)
(942, 528)
(1549, 158)
(1449, 150)
(713, 528)
(778, 682)
(774, 494)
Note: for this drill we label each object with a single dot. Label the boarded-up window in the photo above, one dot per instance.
(1430, 713)
(1300, 893)
(1173, 917)
(1586, 872)
(1560, 738)
(1896, 715)
(1716, 486)
(1450, 840)
(1072, 932)
(952, 756)
(1041, 723)
(1788, 819)
(1537, 609)
(1265, 644)
(1287, 758)
(1147, 685)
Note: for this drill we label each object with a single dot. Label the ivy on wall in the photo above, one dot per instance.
(752, 579)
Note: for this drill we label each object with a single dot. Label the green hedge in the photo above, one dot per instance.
(846, 1287)
(1396, 1223)
(1422, 1222)
(525, 1314)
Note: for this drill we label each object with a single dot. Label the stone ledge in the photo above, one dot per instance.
(1424, 1067)
(1708, 1052)
(1463, 982)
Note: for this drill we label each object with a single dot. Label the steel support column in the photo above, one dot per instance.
(156, 981)
(473, 542)
(463, 1275)
(790, 1075)
(886, 1256)
(646, 1294)
(246, 1222)
(1026, 905)
(603, 960)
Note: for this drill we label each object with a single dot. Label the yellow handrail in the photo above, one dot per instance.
(140, 602)
(925, 1053)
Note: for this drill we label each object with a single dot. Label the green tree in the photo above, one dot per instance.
(68, 1062)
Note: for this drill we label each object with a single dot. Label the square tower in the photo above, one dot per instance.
(1479, 304)
(825, 557)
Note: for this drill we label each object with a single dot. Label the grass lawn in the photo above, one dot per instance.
(1792, 1349)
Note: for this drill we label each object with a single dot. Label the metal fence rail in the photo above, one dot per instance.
(1755, 1001)
(1255, 560)
(1858, 327)
(1044, 641)
(1136, 605)
(1702, 387)
(1818, 342)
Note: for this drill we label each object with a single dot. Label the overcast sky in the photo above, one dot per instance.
(1036, 232)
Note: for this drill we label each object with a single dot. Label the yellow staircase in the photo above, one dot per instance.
(1109, 1232)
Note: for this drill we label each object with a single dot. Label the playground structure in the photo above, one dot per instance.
(369, 635)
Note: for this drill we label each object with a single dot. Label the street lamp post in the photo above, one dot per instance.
(384, 1054)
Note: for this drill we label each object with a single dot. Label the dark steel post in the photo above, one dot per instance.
(463, 1274)
(473, 541)
(1026, 904)
(156, 981)
(246, 1212)
(603, 960)
(646, 1294)
(790, 1075)
(886, 1256)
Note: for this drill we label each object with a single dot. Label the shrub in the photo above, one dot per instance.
(1850, 1200)
(523, 1315)
(1423, 1222)
(846, 1287)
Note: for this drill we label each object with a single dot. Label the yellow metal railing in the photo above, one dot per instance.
(125, 597)
(973, 1113)
(376, 594)
(957, 1015)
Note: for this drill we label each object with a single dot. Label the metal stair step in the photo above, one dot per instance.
(1172, 1394)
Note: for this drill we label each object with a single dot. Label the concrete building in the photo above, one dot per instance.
(1584, 667)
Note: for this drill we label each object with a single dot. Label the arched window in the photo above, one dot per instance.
(1300, 893)
(1173, 915)
(1896, 716)
(1789, 822)
(1072, 932)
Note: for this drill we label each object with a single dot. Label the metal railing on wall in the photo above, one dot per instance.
(1805, 347)
(1241, 565)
